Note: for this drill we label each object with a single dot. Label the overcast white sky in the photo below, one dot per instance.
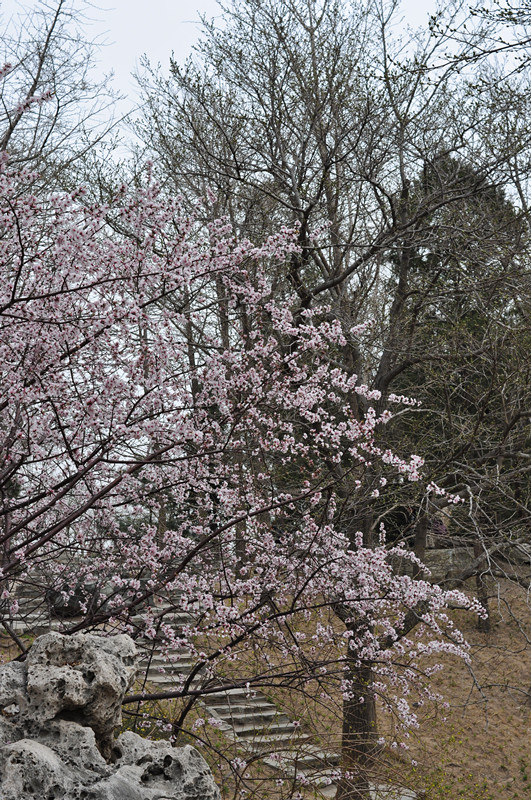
(151, 27)
(156, 28)
(131, 28)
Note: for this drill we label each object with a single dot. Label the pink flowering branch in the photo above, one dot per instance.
(168, 427)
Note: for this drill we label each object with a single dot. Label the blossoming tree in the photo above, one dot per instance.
(168, 429)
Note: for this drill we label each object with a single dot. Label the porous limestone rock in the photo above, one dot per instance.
(58, 711)
(82, 678)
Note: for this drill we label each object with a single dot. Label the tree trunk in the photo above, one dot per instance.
(358, 747)
(358, 743)
(421, 535)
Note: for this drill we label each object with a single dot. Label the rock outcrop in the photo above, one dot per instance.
(58, 712)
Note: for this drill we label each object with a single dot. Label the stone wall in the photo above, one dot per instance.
(443, 563)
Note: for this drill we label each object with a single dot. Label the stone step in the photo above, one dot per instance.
(237, 709)
(233, 693)
(246, 730)
(163, 682)
(175, 620)
(37, 623)
(176, 669)
(273, 742)
(156, 685)
(26, 594)
(236, 697)
(174, 657)
(309, 759)
(160, 667)
(260, 719)
(322, 777)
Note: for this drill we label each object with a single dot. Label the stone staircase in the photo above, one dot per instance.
(246, 717)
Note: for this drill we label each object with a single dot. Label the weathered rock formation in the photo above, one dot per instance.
(58, 712)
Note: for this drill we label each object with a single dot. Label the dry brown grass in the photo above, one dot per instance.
(483, 749)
